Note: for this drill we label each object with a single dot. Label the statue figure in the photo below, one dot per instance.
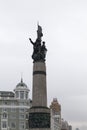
(39, 49)
(39, 32)
(43, 50)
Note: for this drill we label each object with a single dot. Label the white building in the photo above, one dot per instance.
(14, 108)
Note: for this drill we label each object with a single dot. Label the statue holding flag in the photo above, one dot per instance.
(39, 49)
(39, 32)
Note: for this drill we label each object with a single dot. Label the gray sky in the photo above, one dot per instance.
(64, 24)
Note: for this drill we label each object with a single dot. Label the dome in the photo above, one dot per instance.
(21, 84)
(21, 90)
(64, 124)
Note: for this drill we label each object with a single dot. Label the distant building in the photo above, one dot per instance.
(14, 108)
(77, 128)
(65, 125)
(70, 127)
(55, 115)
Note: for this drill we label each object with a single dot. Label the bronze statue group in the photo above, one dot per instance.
(39, 48)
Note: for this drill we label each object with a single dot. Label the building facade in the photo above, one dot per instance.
(55, 108)
(14, 108)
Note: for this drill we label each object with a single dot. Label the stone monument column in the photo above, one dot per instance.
(39, 113)
(39, 85)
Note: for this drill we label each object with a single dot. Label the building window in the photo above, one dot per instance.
(13, 110)
(27, 125)
(4, 124)
(21, 103)
(13, 116)
(21, 125)
(4, 103)
(27, 116)
(4, 115)
(4, 109)
(21, 94)
(21, 116)
(12, 103)
(21, 110)
(17, 94)
(13, 124)
(26, 96)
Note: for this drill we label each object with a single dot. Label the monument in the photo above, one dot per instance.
(39, 113)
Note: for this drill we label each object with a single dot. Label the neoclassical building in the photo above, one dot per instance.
(14, 108)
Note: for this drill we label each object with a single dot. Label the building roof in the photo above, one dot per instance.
(21, 84)
(6, 94)
(55, 106)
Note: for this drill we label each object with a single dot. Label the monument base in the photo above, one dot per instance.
(39, 118)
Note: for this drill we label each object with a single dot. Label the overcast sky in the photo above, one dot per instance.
(64, 24)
